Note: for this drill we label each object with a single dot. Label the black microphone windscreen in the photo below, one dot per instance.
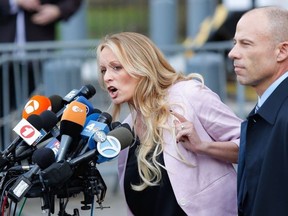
(126, 125)
(36, 121)
(95, 110)
(114, 125)
(43, 157)
(88, 91)
(71, 129)
(56, 103)
(105, 117)
(49, 119)
(124, 136)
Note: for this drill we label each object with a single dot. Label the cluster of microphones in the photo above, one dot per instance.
(58, 145)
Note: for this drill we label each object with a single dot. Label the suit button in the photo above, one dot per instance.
(182, 202)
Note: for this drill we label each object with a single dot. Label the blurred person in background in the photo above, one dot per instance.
(186, 139)
(33, 20)
(24, 21)
(260, 58)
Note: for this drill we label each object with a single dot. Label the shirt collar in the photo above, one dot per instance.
(271, 88)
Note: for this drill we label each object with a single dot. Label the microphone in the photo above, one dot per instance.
(21, 168)
(82, 144)
(61, 171)
(71, 124)
(114, 125)
(116, 140)
(101, 124)
(28, 128)
(36, 105)
(88, 104)
(105, 118)
(96, 111)
(108, 147)
(93, 116)
(87, 91)
(42, 158)
(54, 144)
(124, 135)
(50, 125)
(39, 105)
(57, 103)
(50, 128)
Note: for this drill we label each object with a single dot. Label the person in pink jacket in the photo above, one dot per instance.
(186, 139)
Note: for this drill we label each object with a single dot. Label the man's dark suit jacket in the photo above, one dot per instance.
(33, 32)
(263, 158)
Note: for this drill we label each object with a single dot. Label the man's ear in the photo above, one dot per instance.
(283, 51)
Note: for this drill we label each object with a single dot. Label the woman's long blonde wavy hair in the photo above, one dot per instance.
(144, 61)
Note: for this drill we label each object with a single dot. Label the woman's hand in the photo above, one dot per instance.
(186, 134)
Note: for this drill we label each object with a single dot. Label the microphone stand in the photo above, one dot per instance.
(62, 207)
(99, 187)
(95, 186)
(48, 199)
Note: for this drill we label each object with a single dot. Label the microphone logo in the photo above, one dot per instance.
(77, 109)
(54, 144)
(31, 106)
(36, 105)
(99, 136)
(27, 132)
(109, 148)
(71, 95)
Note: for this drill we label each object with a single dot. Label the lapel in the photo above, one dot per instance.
(271, 106)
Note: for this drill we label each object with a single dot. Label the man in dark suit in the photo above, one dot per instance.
(24, 21)
(40, 18)
(260, 56)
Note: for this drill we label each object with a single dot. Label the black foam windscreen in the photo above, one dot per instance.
(114, 125)
(126, 125)
(36, 121)
(49, 119)
(105, 117)
(95, 110)
(71, 129)
(56, 103)
(43, 157)
(88, 91)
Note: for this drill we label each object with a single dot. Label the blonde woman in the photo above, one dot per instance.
(187, 139)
